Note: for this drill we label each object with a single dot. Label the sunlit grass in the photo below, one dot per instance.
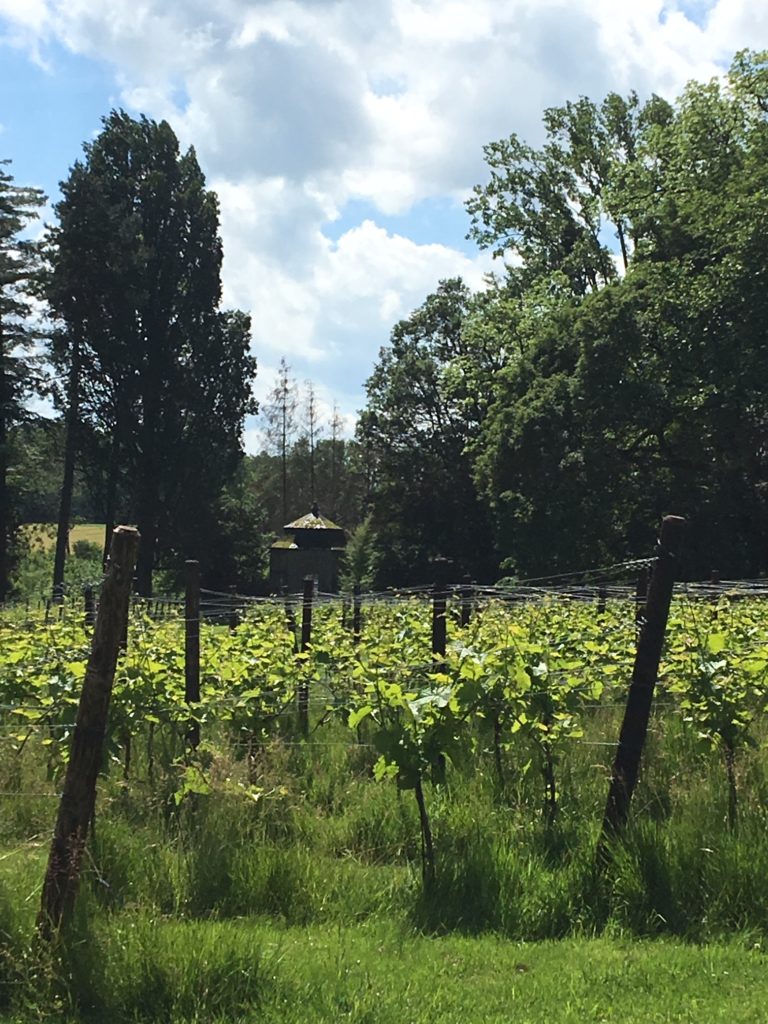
(42, 536)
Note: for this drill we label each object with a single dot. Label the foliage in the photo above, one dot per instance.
(424, 407)
(164, 375)
(288, 832)
(361, 557)
(20, 370)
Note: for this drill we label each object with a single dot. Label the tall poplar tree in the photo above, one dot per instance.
(165, 376)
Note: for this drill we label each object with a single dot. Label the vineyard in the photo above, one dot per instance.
(442, 758)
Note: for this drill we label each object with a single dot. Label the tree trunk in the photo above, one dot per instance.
(147, 517)
(146, 560)
(427, 846)
(111, 495)
(67, 486)
(5, 518)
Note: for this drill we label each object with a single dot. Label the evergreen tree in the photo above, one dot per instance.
(20, 266)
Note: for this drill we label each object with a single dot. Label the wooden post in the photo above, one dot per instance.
(234, 616)
(602, 596)
(290, 619)
(78, 797)
(466, 601)
(438, 621)
(89, 604)
(306, 639)
(192, 644)
(357, 618)
(626, 763)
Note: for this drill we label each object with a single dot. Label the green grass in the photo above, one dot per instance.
(132, 967)
(42, 536)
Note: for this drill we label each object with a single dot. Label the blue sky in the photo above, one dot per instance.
(342, 136)
(47, 114)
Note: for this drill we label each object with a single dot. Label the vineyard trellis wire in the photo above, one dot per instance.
(534, 659)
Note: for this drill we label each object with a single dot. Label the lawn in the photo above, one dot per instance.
(133, 967)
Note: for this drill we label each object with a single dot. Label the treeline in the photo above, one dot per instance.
(613, 372)
(616, 371)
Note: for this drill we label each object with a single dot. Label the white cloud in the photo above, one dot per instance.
(298, 108)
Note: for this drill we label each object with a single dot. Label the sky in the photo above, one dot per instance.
(342, 136)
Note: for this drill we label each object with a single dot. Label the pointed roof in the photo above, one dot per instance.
(312, 521)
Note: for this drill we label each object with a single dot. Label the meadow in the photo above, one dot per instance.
(279, 875)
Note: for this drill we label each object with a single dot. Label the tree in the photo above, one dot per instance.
(551, 209)
(337, 459)
(165, 375)
(312, 432)
(645, 395)
(280, 416)
(423, 411)
(20, 267)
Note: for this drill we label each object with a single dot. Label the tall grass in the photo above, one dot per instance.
(165, 930)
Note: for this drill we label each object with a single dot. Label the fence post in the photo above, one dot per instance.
(306, 638)
(234, 615)
(357, 618)
(438, 620)
(639, 699)
(192, 644)
(78, 796)
(89, 606)
(290, 618)
(466, 601)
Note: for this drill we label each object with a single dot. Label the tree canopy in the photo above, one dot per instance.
(19, 368)
(616, 370)
(164, 379)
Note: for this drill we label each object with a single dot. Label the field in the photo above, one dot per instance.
(42, 536)
(280, 875)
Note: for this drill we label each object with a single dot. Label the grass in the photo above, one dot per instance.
(132, 967)
(42, 536)
(307, 903)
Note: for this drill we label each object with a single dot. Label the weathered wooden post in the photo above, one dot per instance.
(78, 797)
(234, 616)
(634, 727)
(192, 645)
(439, 601)
(306, 639)
(89, 605)
(290, 618)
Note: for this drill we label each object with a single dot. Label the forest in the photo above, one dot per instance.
(611, 372)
